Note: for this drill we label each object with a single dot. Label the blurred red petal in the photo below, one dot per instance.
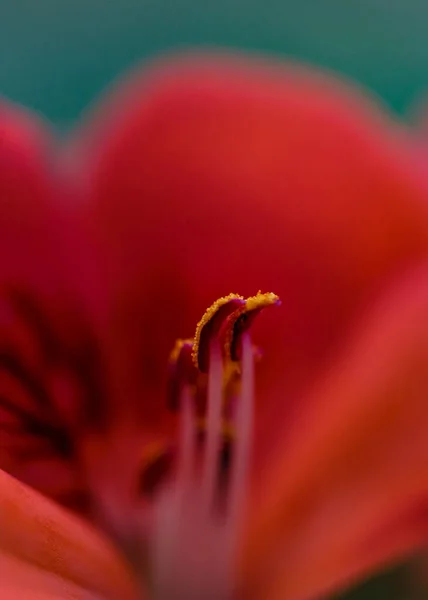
(47, 349)
(21, 580)
(217, 175)
(30, 240)
(42, 545)
(354, 464)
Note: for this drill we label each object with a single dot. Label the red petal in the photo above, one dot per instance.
(46, 346)
(340, 495)
(49, 553)
(21, 580)
(29, 240)
(216, 175)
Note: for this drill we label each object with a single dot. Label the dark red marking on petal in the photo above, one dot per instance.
(29, 424)
(30, 314)
(65, 346)
(155, 472)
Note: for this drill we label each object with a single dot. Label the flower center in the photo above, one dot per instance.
(198, 512)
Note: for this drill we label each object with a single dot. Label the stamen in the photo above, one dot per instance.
(198, 514)
(193, 546)
(244, 429)
(209, 325)
(181, 372)
(224, 323)
(186, 462)
(214, 429)
(238, 322)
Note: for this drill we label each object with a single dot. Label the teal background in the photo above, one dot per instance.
(56, 56)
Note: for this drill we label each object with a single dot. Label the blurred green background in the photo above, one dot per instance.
(56, 56)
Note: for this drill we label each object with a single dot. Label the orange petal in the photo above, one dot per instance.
(21, 580)
(213, 175)
(46, 546)
(355, 464)
(386, 544)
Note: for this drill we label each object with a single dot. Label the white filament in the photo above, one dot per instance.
(244, 429)
(193, 547)
(213, 432)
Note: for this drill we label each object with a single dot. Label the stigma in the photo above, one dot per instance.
(197, 521)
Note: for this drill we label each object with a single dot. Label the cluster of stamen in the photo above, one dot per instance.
(194, 538)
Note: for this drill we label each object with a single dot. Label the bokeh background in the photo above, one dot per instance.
(56, 56)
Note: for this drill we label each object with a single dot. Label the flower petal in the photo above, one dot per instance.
(347, 490)
(216, 175)
(21, 580)
(52, 548)
(31, 240)
(48, 354)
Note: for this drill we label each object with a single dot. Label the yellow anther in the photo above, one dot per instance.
(260, 301)
(241, 320)
(223, 323)
(234, 300)
(178, 347)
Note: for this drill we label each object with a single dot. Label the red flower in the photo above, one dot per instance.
(207, 177)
